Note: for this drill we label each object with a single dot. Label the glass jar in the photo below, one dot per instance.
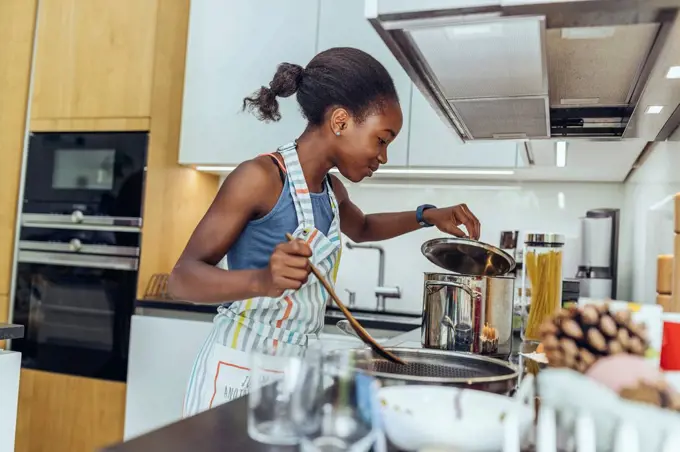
(541, 281)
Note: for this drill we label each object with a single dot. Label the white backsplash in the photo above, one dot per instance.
(524, 207)
(647, 220)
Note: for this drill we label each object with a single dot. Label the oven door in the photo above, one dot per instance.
(98, 173)
(76, 309)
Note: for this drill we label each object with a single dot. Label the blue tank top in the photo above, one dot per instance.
(258, 239)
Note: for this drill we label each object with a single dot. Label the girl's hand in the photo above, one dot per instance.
(449, 219)
(288, 268)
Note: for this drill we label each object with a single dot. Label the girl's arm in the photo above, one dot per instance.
(244, 195)
(382, 226)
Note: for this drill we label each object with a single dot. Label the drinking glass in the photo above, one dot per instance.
(274, 375)
(335, 407)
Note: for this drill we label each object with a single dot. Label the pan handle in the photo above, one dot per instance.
(450, 284)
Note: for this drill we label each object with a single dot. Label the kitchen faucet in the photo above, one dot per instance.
(352, 298)
(381, 292)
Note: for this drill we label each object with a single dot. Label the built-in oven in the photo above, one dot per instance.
(88, 178)
(78, 252)
(74, 293)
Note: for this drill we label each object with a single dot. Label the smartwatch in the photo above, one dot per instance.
(419, 215)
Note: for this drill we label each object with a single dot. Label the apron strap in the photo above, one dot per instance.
(298, 186)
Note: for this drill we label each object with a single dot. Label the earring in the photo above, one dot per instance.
(337, 133)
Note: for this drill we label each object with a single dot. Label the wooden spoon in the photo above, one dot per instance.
(363, 334)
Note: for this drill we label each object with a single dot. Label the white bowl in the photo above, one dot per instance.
(415, 417)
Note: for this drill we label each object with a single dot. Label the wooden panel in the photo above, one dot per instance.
(17, 25)
(94, 58)
(175, 197)
(90, 125)
(4, 307)
(66, 413)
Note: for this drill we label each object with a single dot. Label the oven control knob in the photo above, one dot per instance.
(77, 216)
(75, 245)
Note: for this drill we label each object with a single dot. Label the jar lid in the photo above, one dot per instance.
(468, 257)
(544, 238)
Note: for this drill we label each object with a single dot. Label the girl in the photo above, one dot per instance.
(266, 300)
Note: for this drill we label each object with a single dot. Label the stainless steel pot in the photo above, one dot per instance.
(456, 308)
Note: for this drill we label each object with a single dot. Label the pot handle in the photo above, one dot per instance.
(450, 284)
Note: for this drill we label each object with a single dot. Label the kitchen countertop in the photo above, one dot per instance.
(222, 426)
(11, 331)
(388, 320)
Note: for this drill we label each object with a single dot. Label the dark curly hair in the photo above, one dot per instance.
(338, 77)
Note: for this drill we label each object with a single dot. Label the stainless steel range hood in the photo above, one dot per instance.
(518, 69)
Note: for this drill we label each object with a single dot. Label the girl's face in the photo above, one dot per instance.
(362, 147)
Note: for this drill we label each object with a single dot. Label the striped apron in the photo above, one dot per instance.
(278, 327)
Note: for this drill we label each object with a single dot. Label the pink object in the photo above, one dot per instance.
(623, 371)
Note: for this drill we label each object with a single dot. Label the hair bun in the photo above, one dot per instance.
(287, 79)
(263, 102)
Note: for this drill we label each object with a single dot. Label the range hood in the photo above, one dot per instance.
(518, 69)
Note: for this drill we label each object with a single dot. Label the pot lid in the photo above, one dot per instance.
(468, 257)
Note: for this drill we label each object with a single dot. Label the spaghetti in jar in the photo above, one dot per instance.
(541, 281)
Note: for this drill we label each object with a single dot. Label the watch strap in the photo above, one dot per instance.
(420, 215)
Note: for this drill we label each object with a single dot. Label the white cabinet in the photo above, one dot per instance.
(343, 24)
(10, 364)
(162, 352)
(233, 49)
(433, 143)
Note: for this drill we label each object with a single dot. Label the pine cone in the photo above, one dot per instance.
(576, 337)
(658, 394)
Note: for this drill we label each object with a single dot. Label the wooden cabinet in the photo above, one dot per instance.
(432, 143)
(233, 49)
(4, 309)
(17, 25)
(175, 197)
(63, 413)
(343, 24)
(94, 59)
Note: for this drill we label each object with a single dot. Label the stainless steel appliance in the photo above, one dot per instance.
(78, 252)
(597, 271)
(89, 179)
(470, 309)
(525, 69)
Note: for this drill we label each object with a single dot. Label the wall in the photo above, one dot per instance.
(524, 207)
(499, 206)
(647, 219)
